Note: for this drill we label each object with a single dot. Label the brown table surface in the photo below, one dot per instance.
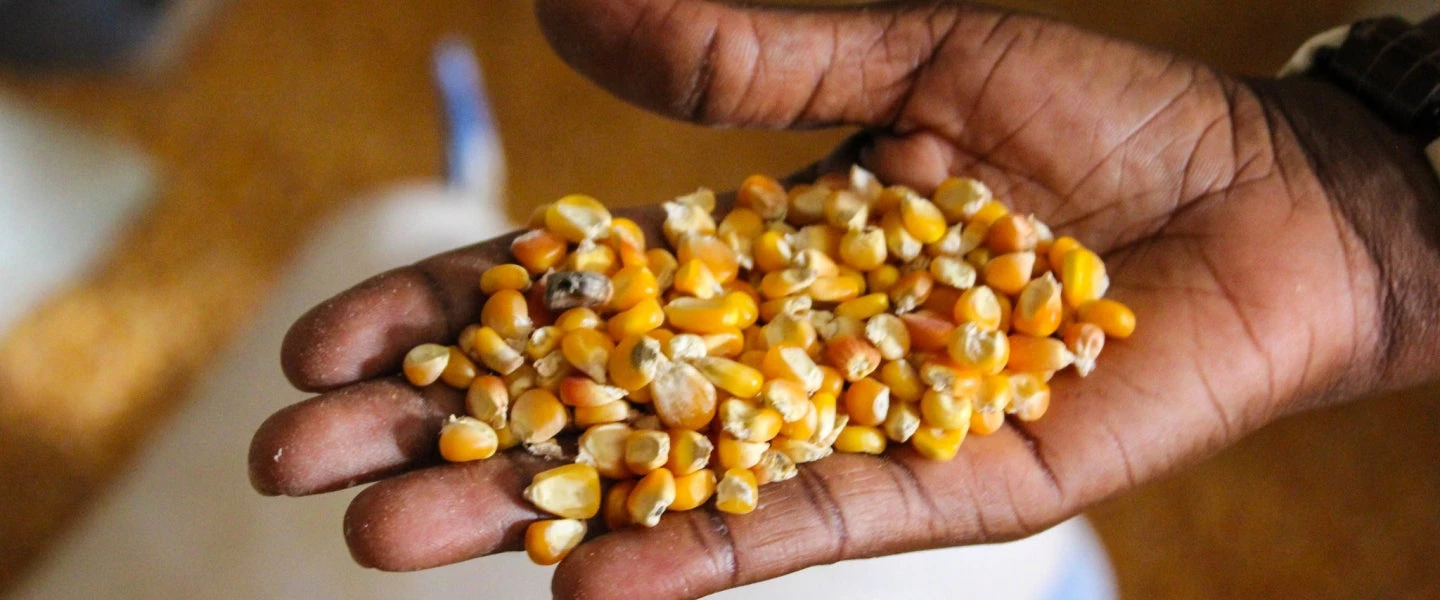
(285, 109)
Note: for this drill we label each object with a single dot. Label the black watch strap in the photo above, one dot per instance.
(1394, 67)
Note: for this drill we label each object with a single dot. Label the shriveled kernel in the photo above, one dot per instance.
(1038, 309)
(687, 215)
(807, 204)
(603, 447)
(424, 363)
(687, 347)
(718, 257)
(1084, 341)
(979, 305)
(803, 427)
(1008, 273)
(652, 496)
(898, 240)
(774, 466)
(488, 400)
(696, 279)
(826, 415)
(947, 378)
(974, 348)
(1116, 319)
(592, 257)
(988, 412)
(693, 490)
(543, 341)
(863, 248)
(549, 541)
(646, 450)
(565, 290)
(536, 416)
(737, 492)
(465, 439)
(521, 380)
(846, 210)
(867, 401)
(570, 491)
(861, 439)
(689, 451)
(804, 451)
(855, 357)
(953, 272)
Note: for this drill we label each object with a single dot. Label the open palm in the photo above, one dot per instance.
(1254, 295)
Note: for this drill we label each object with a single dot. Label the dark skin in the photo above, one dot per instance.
(1270, 235)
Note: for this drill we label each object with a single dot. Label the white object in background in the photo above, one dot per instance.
(63, 195)
(186, 524)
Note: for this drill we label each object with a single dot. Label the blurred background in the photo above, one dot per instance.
(193, 147)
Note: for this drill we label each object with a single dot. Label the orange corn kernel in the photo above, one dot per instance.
(1059, 248)
(538, 250)
(867, 402)
(616, 515)
(1031, 354)
(652, 496)
(588, 351)
(764, 195)
(929, 332)
(1085, 341)
(504, 277)
(465, 439)
(903, 381)
(628, 241)
(632, 285)
(979, 305)
(854, 357)
(974, 348)
(1038, 309)
(911, 290)
(938, 444)
(737, 492)
(536, 416)
(693, 490)
(1013, 233)
(459, 370)
(683, 397)
(549, 541)
(1008, 273)
(861, 439)
(424, 363)
(689, 452)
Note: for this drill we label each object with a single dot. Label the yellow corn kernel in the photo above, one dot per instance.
(938, 444)
(464, 439)
(831, 381)
(583, 391)
(577, 318)
(738, 379)
(787, 398)
(772, 252)
(1083, 276)
(1085, 341)
(494, 353)
(835, 288)
(1008, 273)
(543, 341)
(726, 344)
(959, 198)
(733, 453)
(570, 491)
(898, 240)
(424, 363)
(861, 439)
(863, 307)
(695, 278)
(698, 315)
(578, 218)
(632, 285)
(988, 413)
(536, 416)
(911, 290)
(855, 357)
(689, 452)
(505, 439)
(791, 305)
(764, 195)
(903, 381)
(549, 541)
(588, 351)
(603, 447)
(693, 490)
(846, 210)
(889, 335)
(737, 492)
(942, 299)
(504, 277)
(882, 279)
(683, 398)
(901, 422)
(593, 257)
(804, 426)
(748, 422)
(1059, 248)
(990, 212)
(979, 305)
(929, 332)
(652, 496)
(950, 379)
(459, 371)
(922, 219)
(1006, 310)
(663, 264)
(807, 204)
(1038, 309)
(646, 450)
(1038, 355)
(746, 310)
(488, 400)
(1114, 318)
(507, 312)
(610, 412)
(634, 362)
(537, 216)
(638, 320)
(719, 258)
(774, 466)
(538, 250)
(952, 272)
(628, 241)
(867, 402)
(974, 348)
(784, 361)
(1030, 396)
(826, 408)
(641, 395)
(786, 282)
(1013, 233)
(864, 248)
(521, 380)
(978, 258)
(686, 347)
(742, 221)
(804, 451)
(616, 514)
(986, 423)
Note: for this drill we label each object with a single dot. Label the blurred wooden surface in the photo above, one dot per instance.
(287, 109)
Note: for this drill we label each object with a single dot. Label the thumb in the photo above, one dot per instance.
(768, 67)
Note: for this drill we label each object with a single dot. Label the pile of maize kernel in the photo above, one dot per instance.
(842, 316)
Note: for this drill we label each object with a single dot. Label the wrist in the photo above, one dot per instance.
(1381, 183)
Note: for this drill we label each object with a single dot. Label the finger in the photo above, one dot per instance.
(444, 514)
(731, 65)
(843, 507)
(366, 330)
(352, 435)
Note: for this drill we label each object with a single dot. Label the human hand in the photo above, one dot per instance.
(1263, 280)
